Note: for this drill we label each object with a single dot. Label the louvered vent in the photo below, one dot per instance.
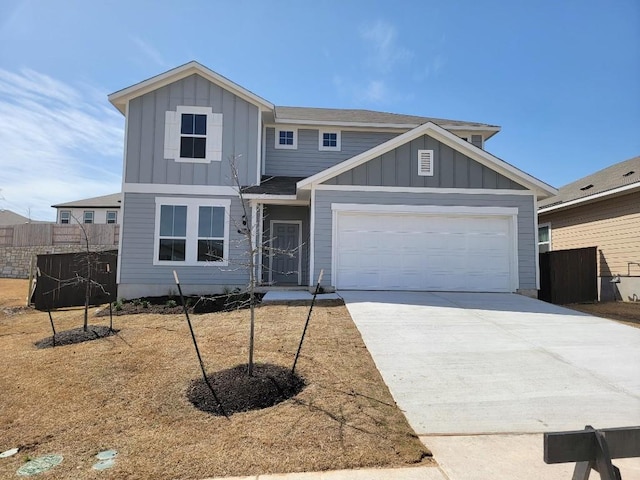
(425, 163)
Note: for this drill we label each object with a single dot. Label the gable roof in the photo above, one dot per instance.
(113, 200)
(541, 189)
(337, 116)
(120, 98)
(7, 217)
(618, 178)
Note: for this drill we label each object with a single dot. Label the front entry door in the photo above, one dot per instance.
(285, 253)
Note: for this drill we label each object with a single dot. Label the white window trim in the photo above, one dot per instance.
(107, 217)
(286, 147)
(429, 172)
(191, 241)
(172, 134)
(93, 217)
(338, 146)
(542, 225)
(271, 227)
(68, 222)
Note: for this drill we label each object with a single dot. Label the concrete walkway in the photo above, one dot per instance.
(465, 367)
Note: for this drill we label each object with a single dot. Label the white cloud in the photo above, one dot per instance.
(58, 143)
(384, 51)
(147, 49)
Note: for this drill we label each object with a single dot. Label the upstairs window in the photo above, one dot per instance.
(193, 134)
(112, 217)
(65, 217)
(544, 238)
(286, 138)
(88, 216)
(329, 140)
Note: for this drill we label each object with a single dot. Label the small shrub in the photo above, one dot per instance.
(171, 303)
(145, 303)
(136, 302)
(117, 305)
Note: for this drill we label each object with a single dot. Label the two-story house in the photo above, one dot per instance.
(375, 200)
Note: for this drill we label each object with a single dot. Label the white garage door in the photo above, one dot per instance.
(414, 251)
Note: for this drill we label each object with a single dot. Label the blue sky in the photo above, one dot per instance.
(562, 78)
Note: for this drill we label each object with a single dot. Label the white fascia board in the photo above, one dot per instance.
(119, 98)
(424, 209)
(448, 138)
(173, 189)
(396, 126)
(467, 191)
(624, 189)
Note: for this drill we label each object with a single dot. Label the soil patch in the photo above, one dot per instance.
(76, 335)
(239, 392)
(624, 312)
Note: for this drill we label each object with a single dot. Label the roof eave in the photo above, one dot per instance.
(120, 98)
(623, 190)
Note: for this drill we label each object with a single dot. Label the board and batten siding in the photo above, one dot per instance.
(308, 160)
(526, 236)
(145, 162)
(613, 226)
(399, 168)
(140, 277)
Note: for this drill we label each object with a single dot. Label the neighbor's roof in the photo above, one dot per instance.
(617, 178)
(106, 201)
(7, 217)
(366, 117)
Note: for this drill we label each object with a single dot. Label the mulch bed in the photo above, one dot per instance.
(76, 335)
(238, 392)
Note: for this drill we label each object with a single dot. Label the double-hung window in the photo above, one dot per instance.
(65, 217)
(112, 216)
(193, 231)
(88, 216)
(544, 237)
(193, 135)
(329, 140)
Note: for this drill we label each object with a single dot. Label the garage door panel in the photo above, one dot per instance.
(423, 252)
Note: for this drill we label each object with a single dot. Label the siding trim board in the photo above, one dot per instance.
(374, 188)
(172, 189)
(438, 133)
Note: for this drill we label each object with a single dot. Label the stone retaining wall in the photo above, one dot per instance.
(15, 261)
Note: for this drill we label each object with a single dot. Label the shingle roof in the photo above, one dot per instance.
(274, 186)
(612, 177)
(7, 217)
(105, 201)
(363, 116)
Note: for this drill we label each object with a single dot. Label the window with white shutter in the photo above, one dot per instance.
(193, 134)
(425, 163)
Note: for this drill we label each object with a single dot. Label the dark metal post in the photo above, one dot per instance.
(306, 324)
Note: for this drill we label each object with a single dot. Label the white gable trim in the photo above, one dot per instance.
(438, 133)
(466, 191)
(120, 98)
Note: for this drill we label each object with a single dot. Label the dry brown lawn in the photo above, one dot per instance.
(127, 392)
(624, 312)
(13, 292)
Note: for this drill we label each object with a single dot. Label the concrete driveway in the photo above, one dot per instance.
(462, 365)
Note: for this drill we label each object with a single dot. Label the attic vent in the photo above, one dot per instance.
(425, 163)
(628, 173)
(587, 187)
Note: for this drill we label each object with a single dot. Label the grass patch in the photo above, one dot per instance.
(130, 391)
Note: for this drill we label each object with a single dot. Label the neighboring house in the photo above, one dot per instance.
(375, 200)
(7, 217)
(600, 210)
(100, 210)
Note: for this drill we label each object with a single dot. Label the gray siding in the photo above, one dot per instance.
(137, 271)
(399, 167)
(145, 136)
(285, 212)
(307, 160)
(525, 204)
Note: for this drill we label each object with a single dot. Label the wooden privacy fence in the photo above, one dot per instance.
(36, 234)
(63, 278)
(569, 276)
